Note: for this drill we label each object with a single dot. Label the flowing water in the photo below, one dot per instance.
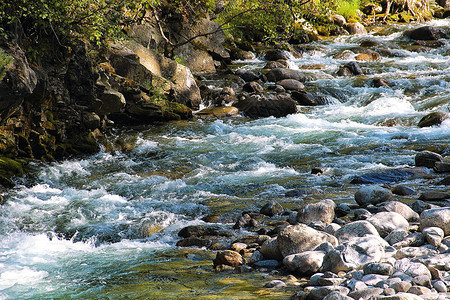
(74, 229)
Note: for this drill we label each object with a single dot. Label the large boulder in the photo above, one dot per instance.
(355, 28)
(321, 211)
(355, 253)
(298, 238)
(277, 54)
(372, 195)
(184, 87)
(257, 106)
(279, 74)
(386, 222)
(426, 33)
(433, 119)
(270, 249)
(438, 217)
(427, 159)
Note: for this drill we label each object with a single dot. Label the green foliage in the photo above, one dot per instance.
(5, 62)
(348, 8)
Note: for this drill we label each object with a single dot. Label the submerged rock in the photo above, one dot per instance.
(433, 119)
(390, 176)
(427, 159)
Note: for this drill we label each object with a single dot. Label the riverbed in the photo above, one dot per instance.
(74, 228)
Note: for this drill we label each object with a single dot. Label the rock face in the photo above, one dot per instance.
(298, 238)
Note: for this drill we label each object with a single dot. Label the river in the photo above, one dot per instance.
(73, 228)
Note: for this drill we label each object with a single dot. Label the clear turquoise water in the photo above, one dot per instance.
(180, 172)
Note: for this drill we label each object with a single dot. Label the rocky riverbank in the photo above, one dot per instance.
(393, 243)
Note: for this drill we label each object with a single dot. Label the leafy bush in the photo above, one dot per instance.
(348, 8)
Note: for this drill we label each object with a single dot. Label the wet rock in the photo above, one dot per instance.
(434, 196)
(282, 64)
(201, 230)
(271, 209)
(245, 221)
(389, 176)
(275, 284)
(194, 242)
(379, 82)
(252, 87)
(412, 269)
(368, 57)
(228, 258)
(269, 264)
(402, 209)
(320, 211)
(218, 112)
(291, 84)
(249, 76)
(366, 294)
(355, 253)
(279, 74)
(433, 119)
(445, 181)
(355, 28)
(426, 33)
(439, 217)
(434, 235)
(298, 238)
(372, 195)
(320, 293)
(257, 106)
(427, 159)
(386, 222)
(270, 249)
(344, 55)
(305, 263)
(355, 229)
(441, 167)
(402, 190)
(354, 68)
(277, 54)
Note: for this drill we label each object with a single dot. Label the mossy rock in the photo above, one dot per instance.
(8, 169)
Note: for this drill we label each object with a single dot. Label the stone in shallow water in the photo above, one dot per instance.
(402, 190)
(427, 159)
(272, 208)
(228, 258)
(389, 176)
(275, 284)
